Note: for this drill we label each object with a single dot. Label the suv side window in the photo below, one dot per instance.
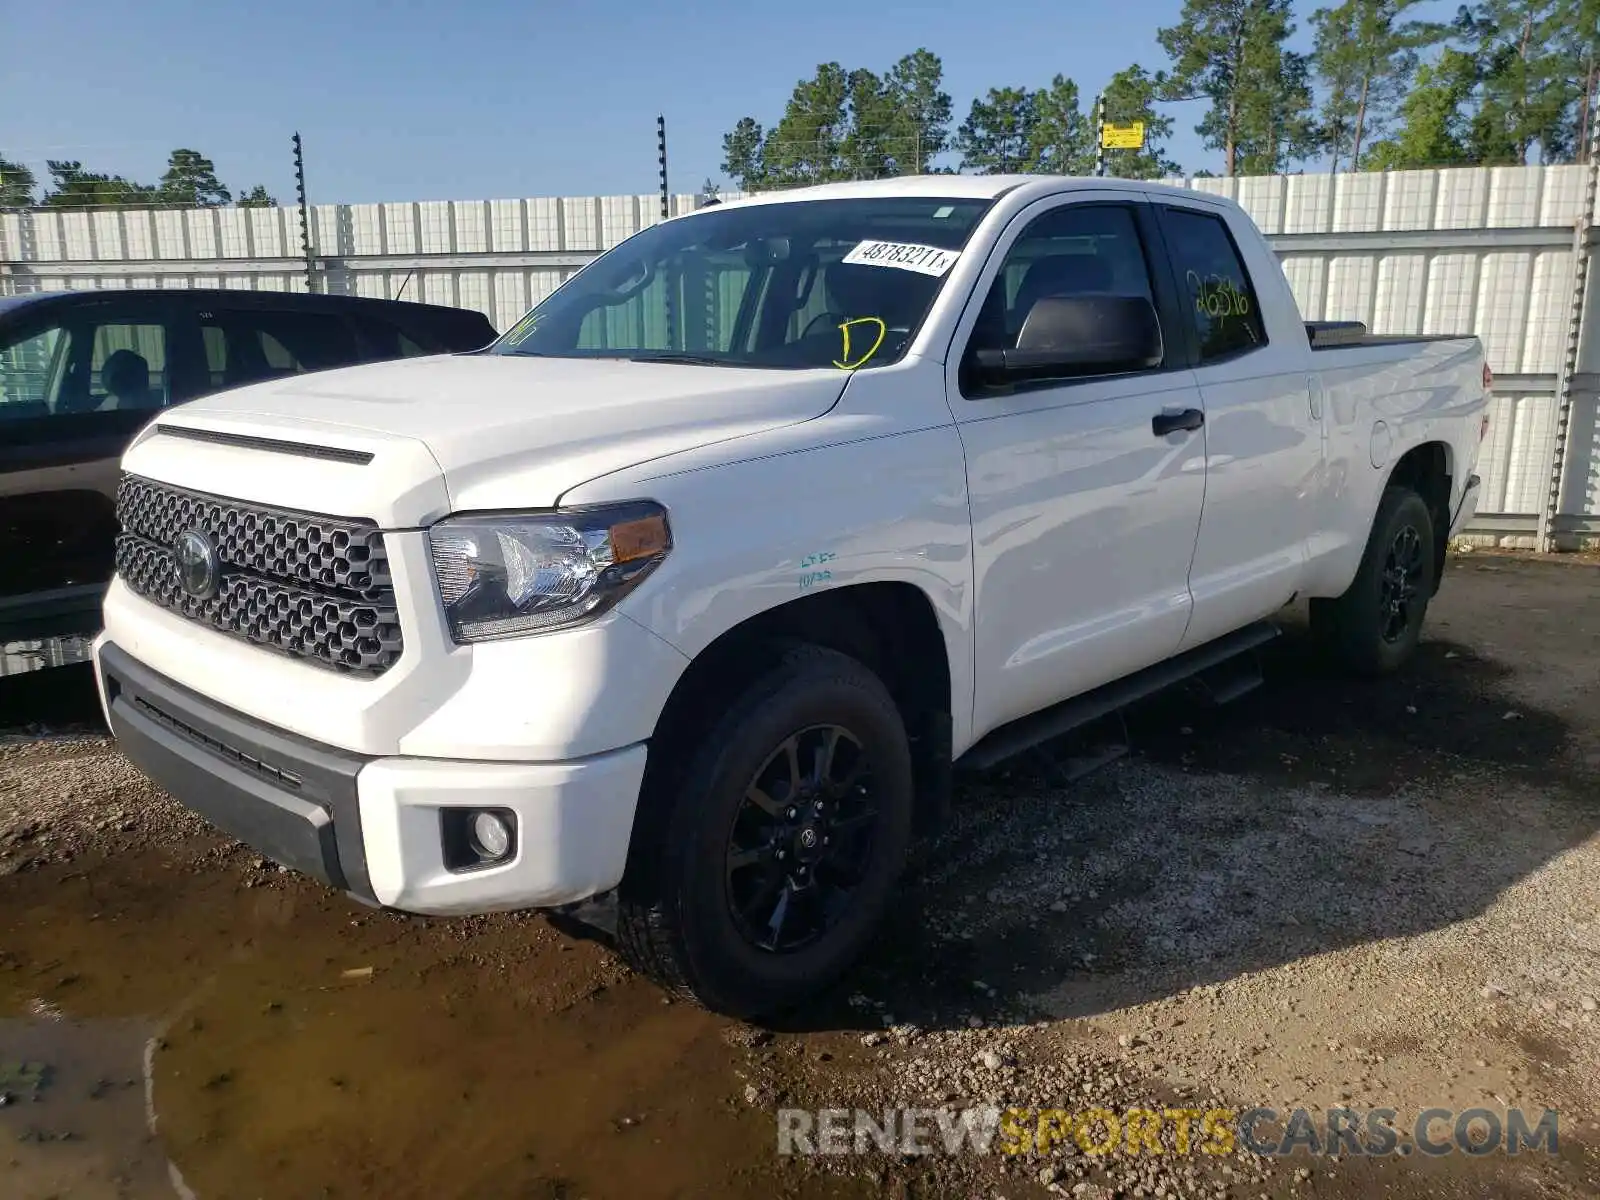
(1073, 250)
(248, 345)
(383, 341)
(1216, 287)
(87, 363)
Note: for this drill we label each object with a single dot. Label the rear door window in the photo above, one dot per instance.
(1217, 293)
(246, 345)
(91, 361)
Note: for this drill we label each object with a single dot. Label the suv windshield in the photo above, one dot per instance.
(814, 283)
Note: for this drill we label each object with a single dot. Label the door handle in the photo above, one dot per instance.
(1187, 421)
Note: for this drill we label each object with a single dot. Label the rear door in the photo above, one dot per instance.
(1263, 445)
(76, 383)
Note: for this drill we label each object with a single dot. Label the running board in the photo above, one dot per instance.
(1030, 731)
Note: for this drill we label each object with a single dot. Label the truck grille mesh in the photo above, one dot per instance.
(310, 586)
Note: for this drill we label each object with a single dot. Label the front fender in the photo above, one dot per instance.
(752, 535)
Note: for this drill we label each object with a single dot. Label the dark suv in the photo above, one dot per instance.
(81, 372)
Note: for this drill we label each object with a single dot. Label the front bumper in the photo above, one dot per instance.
(372, 826)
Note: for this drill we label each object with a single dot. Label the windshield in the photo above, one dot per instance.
(815, 283)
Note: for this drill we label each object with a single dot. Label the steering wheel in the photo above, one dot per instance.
(821, 322)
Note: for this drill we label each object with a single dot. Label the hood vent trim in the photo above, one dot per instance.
(245, 441)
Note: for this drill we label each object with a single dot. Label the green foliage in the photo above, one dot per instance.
(1232, 53)
(1365, 58)
(73, 187)
(257, 197)
(191, 180)
(742, 159)
(16, 185)
(1508, 81)
(1435, 129)
(997, 136)
(1526, 90)
(1131, 96)
(918, 110)
(842, 124)
(1061, 137)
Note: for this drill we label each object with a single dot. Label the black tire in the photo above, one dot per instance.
(1374, 627)
(677, 919)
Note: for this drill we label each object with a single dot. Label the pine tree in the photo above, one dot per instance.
(741, 155)
(1434, 128)
(1365, 57)
(919, 107)
(806, 145)
(257, 197)
(997, 135)
(16, 185)
(842, 124)
(1526, 97)
(1232, 52)
(73, 187)
(191, 180)
(1130, 97)
(1061, 137)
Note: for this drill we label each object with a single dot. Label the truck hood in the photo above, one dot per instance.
(495, 431)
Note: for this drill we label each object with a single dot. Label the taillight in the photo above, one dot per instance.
(1483, 427)
(1488, 378)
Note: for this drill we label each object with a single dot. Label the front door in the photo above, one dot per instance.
(1084, 516)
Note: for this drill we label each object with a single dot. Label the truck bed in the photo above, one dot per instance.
(1342, 335)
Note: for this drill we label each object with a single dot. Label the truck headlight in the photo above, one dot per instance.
(511, 574)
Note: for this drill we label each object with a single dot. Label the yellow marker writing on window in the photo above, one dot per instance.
(523, 330)
(846, 363)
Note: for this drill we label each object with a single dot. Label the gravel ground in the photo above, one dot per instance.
(1326, 894)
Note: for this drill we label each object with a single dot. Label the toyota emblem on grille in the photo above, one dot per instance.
(194, 559)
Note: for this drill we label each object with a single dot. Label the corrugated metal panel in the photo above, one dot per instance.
(1358, 203)
(1581, 493)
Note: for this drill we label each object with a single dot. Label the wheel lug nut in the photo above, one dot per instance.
(792, 813)
(827, 841)
(782, 854)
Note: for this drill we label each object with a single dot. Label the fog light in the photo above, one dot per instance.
(474, 838)
(491, 836)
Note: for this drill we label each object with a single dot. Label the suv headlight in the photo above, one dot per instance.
(511, 574)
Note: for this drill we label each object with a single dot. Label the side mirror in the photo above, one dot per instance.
(1067, 337)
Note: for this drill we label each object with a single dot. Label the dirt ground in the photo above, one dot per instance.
(1325, 894)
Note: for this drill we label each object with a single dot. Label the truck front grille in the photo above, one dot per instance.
(302, 584)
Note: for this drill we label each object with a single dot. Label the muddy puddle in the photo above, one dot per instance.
(215, 1029)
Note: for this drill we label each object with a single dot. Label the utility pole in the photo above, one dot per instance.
(1100, 135)
(661, 153)
(305, 215)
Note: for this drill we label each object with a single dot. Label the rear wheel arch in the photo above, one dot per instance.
(1428, 470)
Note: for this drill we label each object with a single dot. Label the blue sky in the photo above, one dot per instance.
(490, 98)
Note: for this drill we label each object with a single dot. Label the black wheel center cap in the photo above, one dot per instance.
(808, 843)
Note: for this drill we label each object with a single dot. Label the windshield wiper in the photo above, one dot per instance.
(694, 360)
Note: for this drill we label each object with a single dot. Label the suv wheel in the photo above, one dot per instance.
(779, 845)
(1374, 627)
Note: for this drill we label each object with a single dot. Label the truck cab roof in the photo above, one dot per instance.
(984, 187)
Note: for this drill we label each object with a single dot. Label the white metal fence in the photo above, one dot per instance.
(1491, 251)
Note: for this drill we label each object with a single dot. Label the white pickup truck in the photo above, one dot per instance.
(682, 599)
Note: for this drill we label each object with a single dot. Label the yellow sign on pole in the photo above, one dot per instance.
(1123, 137)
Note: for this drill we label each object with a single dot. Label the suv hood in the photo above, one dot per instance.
(496, 431)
